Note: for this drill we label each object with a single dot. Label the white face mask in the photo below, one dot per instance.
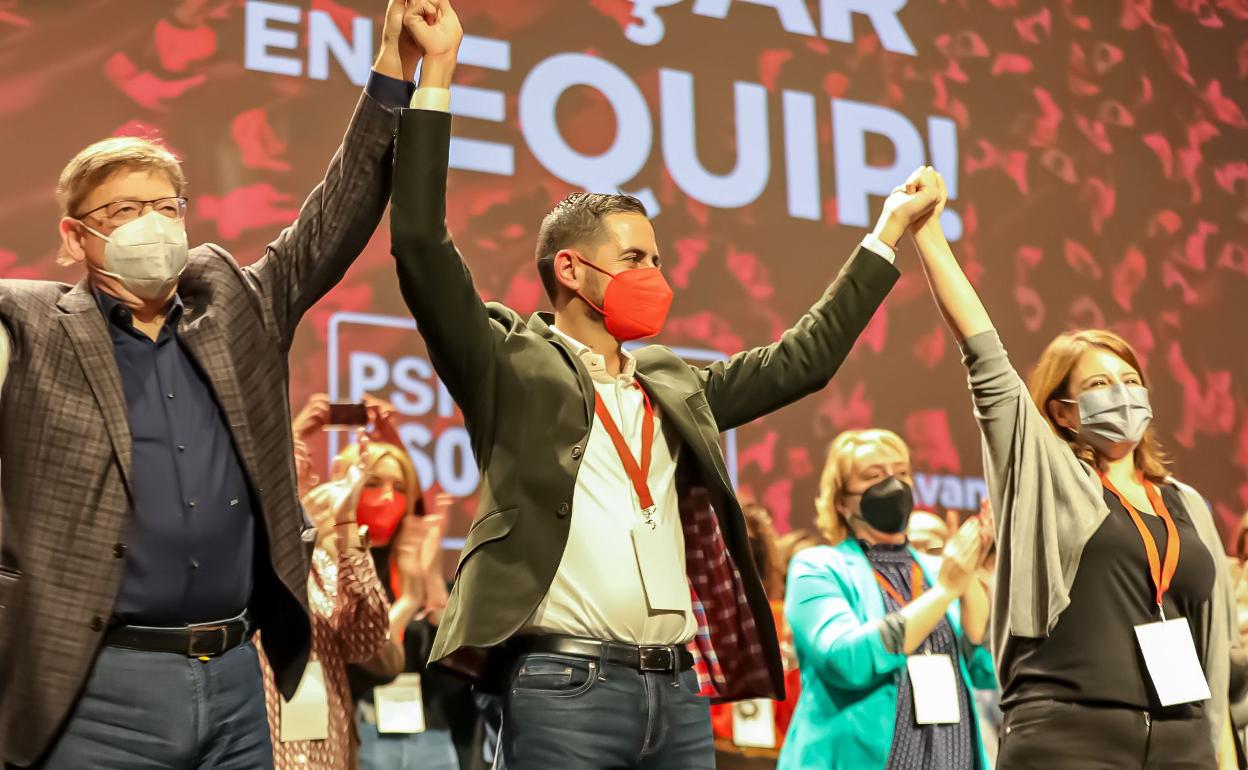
(146, 255)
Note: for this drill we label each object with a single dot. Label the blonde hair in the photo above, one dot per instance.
(90, 167)
(1051, 381)
(837, 470)
(377, 450)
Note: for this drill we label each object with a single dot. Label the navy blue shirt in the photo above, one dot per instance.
(190, 538)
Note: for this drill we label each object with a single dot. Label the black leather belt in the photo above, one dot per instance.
(661, 658)
(203, 640)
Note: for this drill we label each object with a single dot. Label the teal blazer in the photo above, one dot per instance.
(848, 705)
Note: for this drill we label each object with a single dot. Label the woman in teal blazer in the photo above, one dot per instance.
(859, 609)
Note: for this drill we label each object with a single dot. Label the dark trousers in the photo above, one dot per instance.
(1054, 734)
(164, 711)
(573, 714)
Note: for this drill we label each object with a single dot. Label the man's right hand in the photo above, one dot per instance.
(438, 33)
(961, 558)
(907, 203)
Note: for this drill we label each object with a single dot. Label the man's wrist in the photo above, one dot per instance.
(889, 231)
(436, 71)
(389, 63)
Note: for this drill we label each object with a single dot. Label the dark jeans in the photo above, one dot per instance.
(165, 711)
(1054, 734)
(573, 714)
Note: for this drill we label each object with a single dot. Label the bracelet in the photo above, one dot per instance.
(345, 523)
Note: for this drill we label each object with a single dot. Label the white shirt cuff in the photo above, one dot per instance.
(436, 99)
(871, 243)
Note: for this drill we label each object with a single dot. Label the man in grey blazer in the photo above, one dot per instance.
(151, 521)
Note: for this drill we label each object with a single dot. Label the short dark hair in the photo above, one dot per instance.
(577, 219)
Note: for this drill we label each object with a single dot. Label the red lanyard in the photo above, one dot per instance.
(1161, 574)
(638, 474)
(916, 585)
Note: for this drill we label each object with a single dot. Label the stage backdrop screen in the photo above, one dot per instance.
(1095, 149)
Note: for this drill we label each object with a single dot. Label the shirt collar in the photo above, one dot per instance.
(597, 363)
(116, 312)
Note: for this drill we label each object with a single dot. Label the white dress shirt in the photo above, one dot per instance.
(598, 590)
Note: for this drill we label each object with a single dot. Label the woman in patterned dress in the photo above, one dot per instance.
(350, 624)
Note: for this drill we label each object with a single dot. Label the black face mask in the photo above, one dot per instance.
(886, 505)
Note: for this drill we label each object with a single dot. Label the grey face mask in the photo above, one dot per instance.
(1114, 416)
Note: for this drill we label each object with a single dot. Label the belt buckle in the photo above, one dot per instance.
(656, 659)
(198, 632)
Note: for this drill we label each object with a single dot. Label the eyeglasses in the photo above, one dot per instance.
(119, 213)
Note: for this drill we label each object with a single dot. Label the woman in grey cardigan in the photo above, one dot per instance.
(1097, 546)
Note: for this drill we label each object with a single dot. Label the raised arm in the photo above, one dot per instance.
(1045, 501)
(759, 381)
(955, 296)
(340, 215)
(436, 284)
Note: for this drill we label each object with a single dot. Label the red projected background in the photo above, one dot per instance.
(1097, 147)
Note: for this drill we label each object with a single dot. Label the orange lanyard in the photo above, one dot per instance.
(916, 585)
(638, 474)
(1162, 573)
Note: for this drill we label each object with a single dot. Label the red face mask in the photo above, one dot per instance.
(635, 304)
(382, 516)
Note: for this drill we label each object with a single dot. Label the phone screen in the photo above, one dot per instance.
(346, 416)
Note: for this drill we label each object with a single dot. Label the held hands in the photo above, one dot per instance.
(928, 224)
(415, 30)
(907, 204)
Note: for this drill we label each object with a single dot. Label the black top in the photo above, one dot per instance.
(1092, 656)
(190, 539)
(448, 700)
(915, 746)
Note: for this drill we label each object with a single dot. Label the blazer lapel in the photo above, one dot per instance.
(211, 350)
(88, 333)
(540, 326)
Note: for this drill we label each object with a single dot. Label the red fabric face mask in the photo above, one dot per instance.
(635, 304)
(382, 516)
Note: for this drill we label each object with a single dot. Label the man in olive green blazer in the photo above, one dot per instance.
(576, 601)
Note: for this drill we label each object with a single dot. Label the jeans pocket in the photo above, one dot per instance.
(553, 676)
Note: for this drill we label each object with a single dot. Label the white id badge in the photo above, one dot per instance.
(400, 707)
(305, 717)
(754, 724)
(935, 687)
(1170, 656)
(660, 564)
